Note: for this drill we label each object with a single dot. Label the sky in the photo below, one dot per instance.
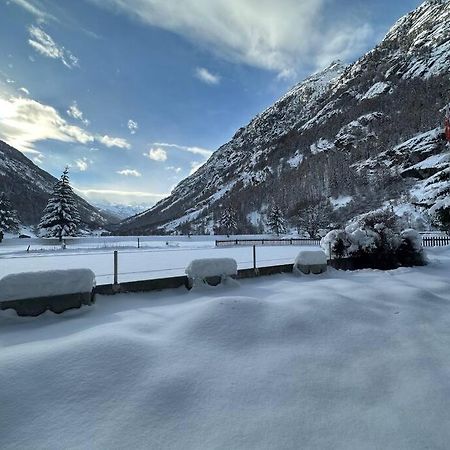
(135, 95)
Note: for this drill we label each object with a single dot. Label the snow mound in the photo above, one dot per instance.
(46, 284)
(211, 267)
(311, 257)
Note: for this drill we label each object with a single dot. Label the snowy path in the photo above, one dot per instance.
(337, 362)
(142, 264)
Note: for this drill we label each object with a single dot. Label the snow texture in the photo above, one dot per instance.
(349, 360)
(49, 283)
(211, 267)
(376, 90)
(311, 257)
(341, 201)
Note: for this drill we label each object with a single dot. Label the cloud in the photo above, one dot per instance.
(76, 113)
(82, 164)
(195, 165)
(124, 196)
(195, 150)
(24, 121)
(157, 154)
(280, 36)
(24, 90)
(132, 126)
(40, 14)
(129, 173)
(113, 141)
(46, 46)
(175, 169)
(206, 76)
(38, 159)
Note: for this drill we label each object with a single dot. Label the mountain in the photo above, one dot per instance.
(352, 138)
(119, 210)
(29, 187)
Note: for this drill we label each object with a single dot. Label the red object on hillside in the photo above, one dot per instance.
(447, 124)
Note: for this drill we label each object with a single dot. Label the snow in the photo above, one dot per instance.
(341, 201)
(158, 257)
(346, 360)
(433, 162)
(49, 283)
(376, 90)
(296, 159)
(311, 257)
(255, 218)
(322, 145)
(211, 267)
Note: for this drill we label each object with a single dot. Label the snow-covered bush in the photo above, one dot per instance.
(376, 240)
(338, 242)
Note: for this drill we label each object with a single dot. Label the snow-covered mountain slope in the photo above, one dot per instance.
(318, 141)
(29, 187)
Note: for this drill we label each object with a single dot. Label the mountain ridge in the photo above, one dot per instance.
(29, 187)
(306, 146)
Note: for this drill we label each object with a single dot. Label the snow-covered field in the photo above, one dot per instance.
(157, 257)
(345, 360)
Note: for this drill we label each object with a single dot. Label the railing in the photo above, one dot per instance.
(435, 241)
(269, 242)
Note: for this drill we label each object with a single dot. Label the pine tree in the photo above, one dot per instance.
(228, 221)
(9, 221)
(61, 216)
(314, 217)
(275, 220)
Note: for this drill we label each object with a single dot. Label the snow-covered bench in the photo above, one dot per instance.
(32, 293)
(211, 270)
(311, 261)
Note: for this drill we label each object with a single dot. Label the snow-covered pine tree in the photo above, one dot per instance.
(228, 221)
(9, 221)
(275, 220)
(60, 216)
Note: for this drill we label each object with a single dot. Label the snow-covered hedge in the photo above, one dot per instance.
(211, 267)
(29, 285)
(376, 240)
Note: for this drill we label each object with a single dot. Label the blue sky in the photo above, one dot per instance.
(135, 94)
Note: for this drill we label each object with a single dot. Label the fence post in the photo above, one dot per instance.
(329, 247)
(139, 243)
(116, 266)
(254, 259)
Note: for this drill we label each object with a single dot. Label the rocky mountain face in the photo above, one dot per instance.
(28, 187)
(351, 138)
